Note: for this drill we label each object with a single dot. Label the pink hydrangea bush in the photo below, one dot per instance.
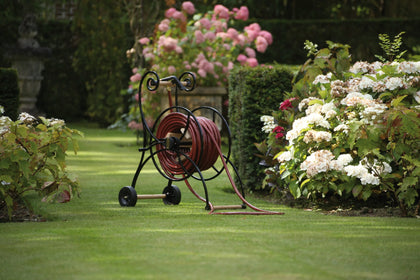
(203, 44)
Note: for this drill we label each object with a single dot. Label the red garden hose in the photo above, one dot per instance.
(202, 145)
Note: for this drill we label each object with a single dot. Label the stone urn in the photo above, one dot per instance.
(28, 60)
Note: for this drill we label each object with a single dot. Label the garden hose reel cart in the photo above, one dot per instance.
(182, 144)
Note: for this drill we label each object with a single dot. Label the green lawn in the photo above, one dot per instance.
(94, 238)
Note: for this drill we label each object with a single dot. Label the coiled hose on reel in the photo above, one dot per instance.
(198, 139)
(192, 144)
(184, 145)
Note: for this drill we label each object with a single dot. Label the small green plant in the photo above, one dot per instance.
(32, 158)
(310, 47)
(334, 59)
(391, 48)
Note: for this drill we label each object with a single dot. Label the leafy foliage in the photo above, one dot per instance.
(100, 57)
(32, 154)
(335, 59)
(391, 48)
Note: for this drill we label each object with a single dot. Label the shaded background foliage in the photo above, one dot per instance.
(9, 92)
(63, 93)
(89, 67)
(100, 31)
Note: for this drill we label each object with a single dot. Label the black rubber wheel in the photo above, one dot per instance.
(173, 195)
(127, 196)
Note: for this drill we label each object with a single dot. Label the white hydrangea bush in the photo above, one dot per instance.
(343, 138)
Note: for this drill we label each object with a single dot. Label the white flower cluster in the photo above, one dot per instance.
(338, 88)
(269, 124)
(361, 172)
(371, 108)
(368, 173)
(357, 98)
(417, 96)
(342, 161)
(26, 118)
(314, 108)
(324, 161)
(393, 83)
(317, 114)
(317, 136)
(342, 127)
(328, 109)
(367, 82)
(285, 156)
(365, 67)
(305, 102)
(314, 119)
(370, 113)
(317, 162)
(373, 76)
(409, 67)
(29, 120)
(4, 124)
(56, 122)
(322, 79)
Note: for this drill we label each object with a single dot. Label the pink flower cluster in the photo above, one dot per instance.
(205, 45)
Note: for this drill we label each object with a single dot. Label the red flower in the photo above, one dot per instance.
(279, 135)
(278, 129)
(287, 104)
(279, 132)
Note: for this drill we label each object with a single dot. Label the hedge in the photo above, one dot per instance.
(253, 92)
(9, 92)
(360, 34)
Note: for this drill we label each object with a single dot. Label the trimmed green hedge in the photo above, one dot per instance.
(253, 92)
(9, 92)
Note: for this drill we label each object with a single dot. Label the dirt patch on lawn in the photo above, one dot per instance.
(366, 212)
(377, 207)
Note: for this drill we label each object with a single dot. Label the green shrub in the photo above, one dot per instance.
(32, 158)
(9, 92)
(253, 92)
